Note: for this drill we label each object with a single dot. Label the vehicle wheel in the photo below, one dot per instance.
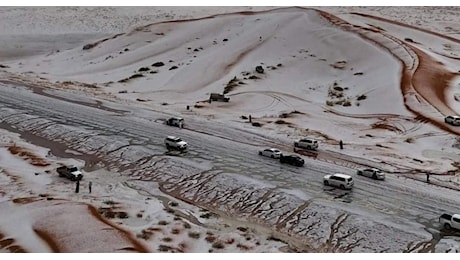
(61, 175)
(260, 153)
(447, 226)
(342, 187)
(374, 176)
(326, 183)
(296, 145)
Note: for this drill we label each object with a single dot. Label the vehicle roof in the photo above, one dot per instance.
(273, 149)
(342, 175)
(177, 118)
(172, 137)
(454, 116)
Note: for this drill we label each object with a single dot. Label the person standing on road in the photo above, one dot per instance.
(89, 186)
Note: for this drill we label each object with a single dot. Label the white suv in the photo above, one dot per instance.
(453, 120)
(307, 143)
(173, 142)
(342, 181)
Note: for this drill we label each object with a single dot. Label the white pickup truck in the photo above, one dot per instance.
(450, 221)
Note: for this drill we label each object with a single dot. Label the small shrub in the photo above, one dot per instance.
(173, 203)
(163, 222)
(177, 218)
(274, 239)
(243, 247)
(218, 245)
(206, 215)
(410, 140)
(122, 215)
(122, 91)
(139, 215)
(230, 241)
(330, 103)
(280, 122)
(164, 104)
(144, 69)
(194, 235)
(242, 229)
(253, 77)
(167, 239)
(163, 248)
(137, 75)
(187, 225)
(210, 239)
(256, 124)
(170, 211)
(347, 103)
(158, 64)
(173, 68)
(361, 97)
(244, 117)
(109, 202)
(175, 231)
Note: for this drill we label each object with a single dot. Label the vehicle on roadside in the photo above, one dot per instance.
(175, 143)
(452, 120)
(373, 173)
(339, 180)
(450, 221)
(271, 152)
(70, 172)
(292, 160)
(218, 97)
(175, 121)
(307, 143)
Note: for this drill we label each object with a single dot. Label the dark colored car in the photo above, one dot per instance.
(292, 159)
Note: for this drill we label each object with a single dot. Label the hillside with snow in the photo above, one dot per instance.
(379, 79)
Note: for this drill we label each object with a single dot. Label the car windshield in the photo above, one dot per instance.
(275, 150)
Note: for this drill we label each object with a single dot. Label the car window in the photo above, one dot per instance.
(456, 219)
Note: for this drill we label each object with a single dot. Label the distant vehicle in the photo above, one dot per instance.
(218, 97)
(372, 173)
(450, 221)
(175, 143)
(452, 120)
(340, 180)
(271, 152)
(175, 121)
(70, 172)
(292, 160)
(307, 143)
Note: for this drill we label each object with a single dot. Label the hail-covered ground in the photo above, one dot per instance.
(379, 79)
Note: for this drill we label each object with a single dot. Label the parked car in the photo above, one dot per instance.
(339, 180)
(452, 120)
(218, 97)
(70, 172)
(271, 152)
(450, 221)
(372, 173)
(175, 143)
(292, 160)
(307, 143)
(175, 121)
